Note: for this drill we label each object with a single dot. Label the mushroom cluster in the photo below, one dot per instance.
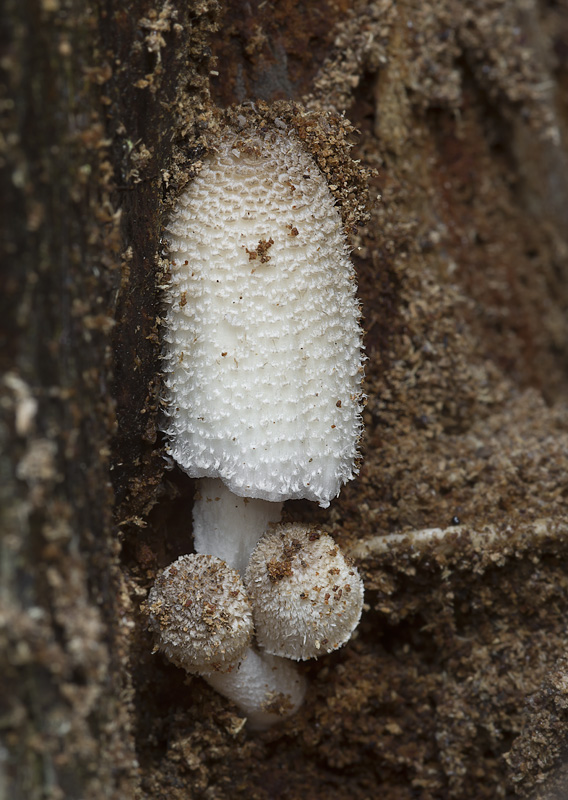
(202, 618)
(263, 369)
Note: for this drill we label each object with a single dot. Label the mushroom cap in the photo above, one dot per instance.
(262, 342)
(306, 597)
(200, 613)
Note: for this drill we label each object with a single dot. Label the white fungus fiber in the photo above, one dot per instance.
(263, 342)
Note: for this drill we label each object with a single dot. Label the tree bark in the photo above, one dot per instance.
(454, 686)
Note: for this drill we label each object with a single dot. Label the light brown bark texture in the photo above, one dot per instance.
(456, 684)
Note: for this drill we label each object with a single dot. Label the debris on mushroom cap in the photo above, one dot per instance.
(200, 613)
(262, 356)
(306, 597)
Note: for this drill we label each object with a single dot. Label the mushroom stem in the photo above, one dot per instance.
(228, 526)
(266, 688)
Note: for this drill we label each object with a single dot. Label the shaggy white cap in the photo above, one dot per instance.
(306, 598)
(263, 343)
(200, 612)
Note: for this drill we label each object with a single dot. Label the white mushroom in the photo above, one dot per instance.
(263, 358)
(201, 616)
(306, 597)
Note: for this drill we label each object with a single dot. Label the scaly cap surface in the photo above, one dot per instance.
(263, 343)
(200, 614)
(306, 598)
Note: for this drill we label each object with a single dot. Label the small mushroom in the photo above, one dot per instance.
(306, 597)
(200, 614)
(199, 610)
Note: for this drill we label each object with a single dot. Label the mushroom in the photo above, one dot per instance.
(200, 614)
(263, 352)
(306, 596)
